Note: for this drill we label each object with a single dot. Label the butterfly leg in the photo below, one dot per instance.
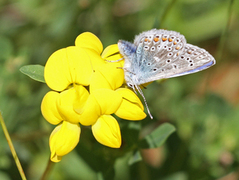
(115, 60)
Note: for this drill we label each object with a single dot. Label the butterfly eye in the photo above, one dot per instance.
(130, 85)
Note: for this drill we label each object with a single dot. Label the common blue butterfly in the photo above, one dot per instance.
(160, 54)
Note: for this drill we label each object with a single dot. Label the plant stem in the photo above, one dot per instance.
(220, 50)
(14, 154)
(47, 170)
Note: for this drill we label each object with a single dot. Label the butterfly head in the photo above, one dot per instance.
(126, 48)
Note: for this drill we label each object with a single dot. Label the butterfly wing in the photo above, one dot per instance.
(162, 54)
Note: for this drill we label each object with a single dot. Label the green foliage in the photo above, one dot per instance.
(35, 72)
(157, 137)
(203, 107)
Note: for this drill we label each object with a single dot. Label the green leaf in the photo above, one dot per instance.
(157, 137)
(35, 72)
(136, 157)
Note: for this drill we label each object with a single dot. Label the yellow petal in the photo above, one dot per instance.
(56, 72)
(111, 53)
(81, 97)
(107, 132)
(66, 101)
(79, 64)
(90, 41)
(101, 101)
(63, 139)
(49, 109)
(108, 76)
(71, 65)
(95, 59)
(91, 112)
(108, 100)
(131, 107)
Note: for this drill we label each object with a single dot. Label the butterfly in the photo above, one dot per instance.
(160, 54)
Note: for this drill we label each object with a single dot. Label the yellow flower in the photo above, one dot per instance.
(64, 139)
(87, 89)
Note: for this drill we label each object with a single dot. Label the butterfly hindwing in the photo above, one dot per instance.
(164, 54)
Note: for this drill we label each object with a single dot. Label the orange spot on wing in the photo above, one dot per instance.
(170, 40)
(156, 39)
(146, 39)
(174, 42)
(164, 39)
(177, 48)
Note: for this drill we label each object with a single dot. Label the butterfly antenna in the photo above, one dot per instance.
(141, 93)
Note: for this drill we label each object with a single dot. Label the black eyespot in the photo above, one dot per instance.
(154, 69)
(191, 64)
(165, 47)
(168, 61)
(175, 66)
(162, 70)
(182, 57)
(169, 48)
(149, 64)
(170, 54)
(188, 59)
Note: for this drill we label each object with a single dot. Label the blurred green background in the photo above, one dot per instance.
(204, 107)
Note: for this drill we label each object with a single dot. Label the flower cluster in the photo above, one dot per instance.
(86, 90)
